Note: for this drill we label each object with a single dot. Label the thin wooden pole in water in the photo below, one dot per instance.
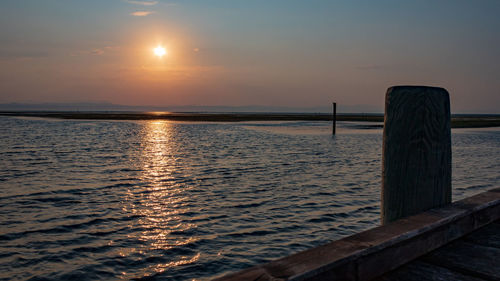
(416, 157)
(334, 118)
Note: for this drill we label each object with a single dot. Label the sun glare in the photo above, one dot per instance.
(160, 51)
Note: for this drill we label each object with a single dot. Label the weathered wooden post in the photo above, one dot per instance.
(416, 161)
(334, 118)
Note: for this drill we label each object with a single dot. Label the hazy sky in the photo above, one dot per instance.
(279, 53)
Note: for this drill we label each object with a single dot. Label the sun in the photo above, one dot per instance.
(160, 51)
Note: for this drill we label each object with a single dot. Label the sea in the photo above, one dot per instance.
(163, 200)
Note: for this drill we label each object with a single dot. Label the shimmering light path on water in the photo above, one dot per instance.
(87, 200)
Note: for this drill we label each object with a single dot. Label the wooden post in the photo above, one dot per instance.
(334, 118)
(416, 156)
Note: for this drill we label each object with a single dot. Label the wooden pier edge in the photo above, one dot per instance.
(371, 253)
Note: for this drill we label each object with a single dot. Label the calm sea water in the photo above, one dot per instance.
(89, 200)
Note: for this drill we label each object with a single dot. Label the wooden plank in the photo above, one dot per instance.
(422, 271)
(488, 236)
(468, 258)
(416, 158)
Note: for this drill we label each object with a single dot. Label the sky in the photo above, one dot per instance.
(286, 53)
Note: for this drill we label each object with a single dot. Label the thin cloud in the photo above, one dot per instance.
(141, 13)
(27, 54)
(144, 3)
(96, 51)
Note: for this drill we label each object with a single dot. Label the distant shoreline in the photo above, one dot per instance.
(458, 120)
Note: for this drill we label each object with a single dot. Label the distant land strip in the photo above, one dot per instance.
(457, 121)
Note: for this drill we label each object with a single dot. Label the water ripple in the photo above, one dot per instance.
(98, 200)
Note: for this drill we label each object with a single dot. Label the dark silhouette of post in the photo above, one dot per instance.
(334, 118)
(416, 161)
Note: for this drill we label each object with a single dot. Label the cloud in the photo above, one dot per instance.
(96, 51)
(141, 13)
(144, 3)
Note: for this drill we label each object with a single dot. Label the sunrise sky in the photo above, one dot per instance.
(273, 53)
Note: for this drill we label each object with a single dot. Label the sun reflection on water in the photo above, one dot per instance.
(160, 201)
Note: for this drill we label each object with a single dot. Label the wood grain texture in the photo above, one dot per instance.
(475, 256)
(416, 163)
(487, 236)
(422, 271)
(468, 258)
